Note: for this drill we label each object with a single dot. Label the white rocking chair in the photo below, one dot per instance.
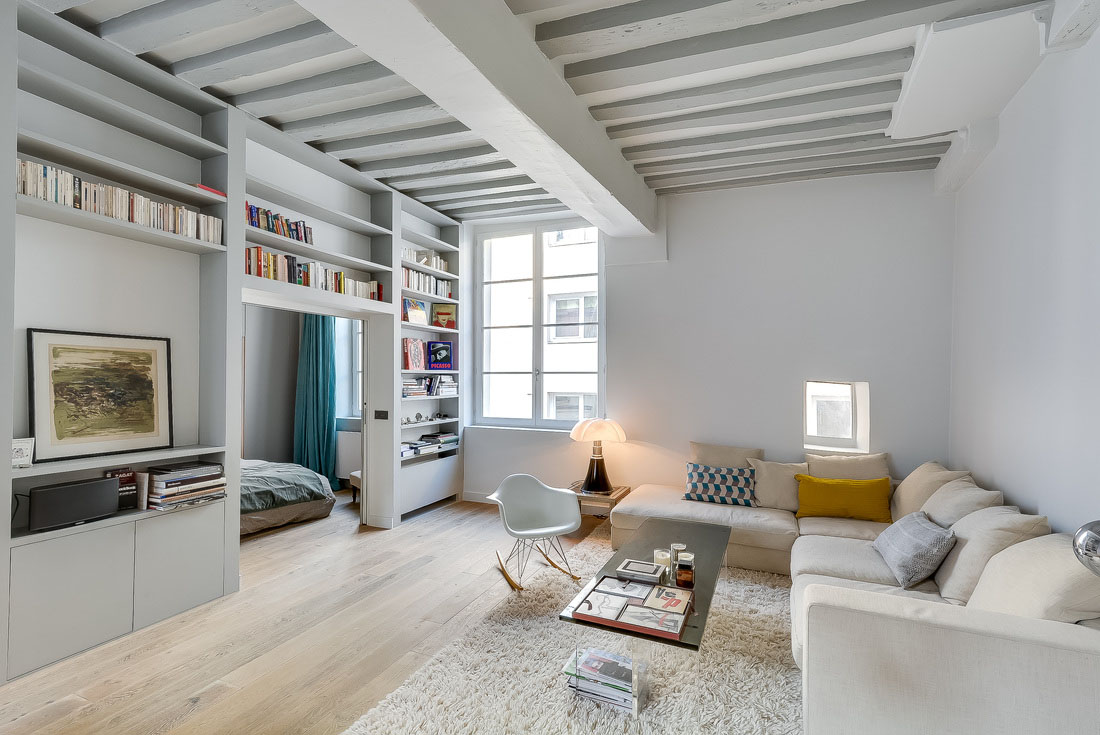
(535, 515)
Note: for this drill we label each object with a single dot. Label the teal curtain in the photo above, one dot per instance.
(315, 397)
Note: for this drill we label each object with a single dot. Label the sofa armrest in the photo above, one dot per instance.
(877, 663)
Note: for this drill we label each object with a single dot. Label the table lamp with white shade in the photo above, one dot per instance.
(597, 431)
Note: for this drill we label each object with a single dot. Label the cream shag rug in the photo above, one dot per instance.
(503, 676)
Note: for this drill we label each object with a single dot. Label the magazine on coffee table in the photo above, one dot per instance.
(643, 608)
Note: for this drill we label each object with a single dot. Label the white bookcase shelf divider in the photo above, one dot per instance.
(424, 296)
(430, 271)
(64, 155)
(282, 197)
(427, 241)
(292, 297)
(107, 461)
(263, 238)
(428, 328)
(74, 217)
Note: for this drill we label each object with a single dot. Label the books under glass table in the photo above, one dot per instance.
(650, 612)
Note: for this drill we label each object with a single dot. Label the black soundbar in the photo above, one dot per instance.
(70, 503)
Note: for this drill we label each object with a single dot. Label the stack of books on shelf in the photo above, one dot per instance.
(287, 269)
(426, 283)
(265, 219)
(430, 444)
(441, 386)
(602, 676)
(56, 185)
(427, 258)
(185, 483)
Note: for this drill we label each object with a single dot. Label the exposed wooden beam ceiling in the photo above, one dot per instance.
(508, 209)
(144, 29)
(923, 164)
(409, 112)
(487, 172)
(425, 163)
(522, 195)
(427, 139)
(437, 193)
(361, 80)
(477, 61)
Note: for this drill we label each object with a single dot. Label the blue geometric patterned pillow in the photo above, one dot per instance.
(725, 485)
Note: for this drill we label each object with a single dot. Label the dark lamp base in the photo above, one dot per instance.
(596, 482)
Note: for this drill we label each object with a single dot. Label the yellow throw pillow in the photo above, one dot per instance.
(863, 500)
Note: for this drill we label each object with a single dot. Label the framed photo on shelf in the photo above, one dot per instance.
(441, 356)
(414, 311)
(445, 315)
(94, 394)
(22, 452)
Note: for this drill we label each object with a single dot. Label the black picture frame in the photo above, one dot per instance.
(32, 394)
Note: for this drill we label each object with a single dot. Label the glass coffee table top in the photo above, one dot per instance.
(706, 540)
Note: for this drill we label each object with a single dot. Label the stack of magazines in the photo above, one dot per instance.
(185, 483)
(603, 676)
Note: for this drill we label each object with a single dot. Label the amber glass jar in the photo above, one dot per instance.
(685, 570)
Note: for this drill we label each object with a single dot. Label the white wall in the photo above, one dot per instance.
(1027, 292)
(271, 373)
(113, 286)
(839, 279)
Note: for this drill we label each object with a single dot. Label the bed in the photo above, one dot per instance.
(276, 493)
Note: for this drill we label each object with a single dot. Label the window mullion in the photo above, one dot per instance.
(537, 317)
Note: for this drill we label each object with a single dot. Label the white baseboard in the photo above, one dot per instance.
(476, 497)
(382, 521)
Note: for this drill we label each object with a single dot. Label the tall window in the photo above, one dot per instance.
(349, 367)
(540, 352)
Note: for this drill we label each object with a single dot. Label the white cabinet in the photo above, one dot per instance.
(178, 562)
(69, 594)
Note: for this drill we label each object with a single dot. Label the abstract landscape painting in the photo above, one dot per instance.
(98, 394)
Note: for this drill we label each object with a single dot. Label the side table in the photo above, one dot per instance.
(598, 505)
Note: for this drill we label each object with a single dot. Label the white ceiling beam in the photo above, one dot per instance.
(852, 100)
(449, 192)
(300, 43)
(59, 6)
(649, 22)
(399, 142)
(768, 168)
(523, 195)
(776, 153)
(833, 74)
(148, 28)
(334, 86)
(764, 42)
(477, 61)
(409, 112)
(799, 132)
(507, 208)
(426, 163)
(487, 172)
(921, 164)
(1072, 23)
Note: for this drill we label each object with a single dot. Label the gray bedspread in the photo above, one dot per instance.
(268, 485)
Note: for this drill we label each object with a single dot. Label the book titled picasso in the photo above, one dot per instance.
(652, 609)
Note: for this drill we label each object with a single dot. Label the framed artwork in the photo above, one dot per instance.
(414, 311)
(445, 315)
(93, 394)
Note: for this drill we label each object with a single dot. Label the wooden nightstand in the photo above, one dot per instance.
(599, 505)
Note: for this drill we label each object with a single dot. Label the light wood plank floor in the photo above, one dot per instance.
(330, 618)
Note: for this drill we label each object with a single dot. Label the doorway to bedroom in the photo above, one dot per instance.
(301, 426)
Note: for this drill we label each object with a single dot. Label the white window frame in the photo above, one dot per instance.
(538, 301)
(860, 440)
(581, 324)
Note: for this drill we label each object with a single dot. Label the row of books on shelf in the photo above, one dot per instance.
(428, 258)
(426, 283)
(415, 311)
(287, 269)
(441, 441)
(265, 219)
(603, 676)
(442, 386)
(419, 354)
(59, 186)
(168, 486)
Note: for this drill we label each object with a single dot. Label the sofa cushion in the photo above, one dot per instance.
(1039, 578)
(958, 499)
(844, 558)
(866, 500)
(924, 591)
(842, 527)
(767, 528)
(849, 466)
(914, 547)
(979, 536)
(775, 483)
(718, 455)
(726, 485)
(918, 487)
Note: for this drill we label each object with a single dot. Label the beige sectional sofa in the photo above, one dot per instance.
(1004, 637)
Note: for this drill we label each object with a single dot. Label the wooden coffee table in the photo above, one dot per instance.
(706, 540)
